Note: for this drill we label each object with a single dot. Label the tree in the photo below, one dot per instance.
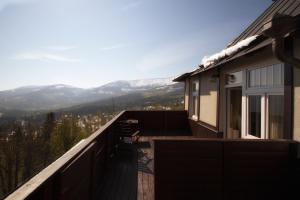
(28, 157)
(48, 128)
(18, 140)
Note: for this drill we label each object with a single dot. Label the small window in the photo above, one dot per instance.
(234, 78)
(254, 108)
(195, 98)
(275, 116)
(270, 76)
(195, 86)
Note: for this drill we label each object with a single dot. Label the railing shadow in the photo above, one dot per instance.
(145, 163)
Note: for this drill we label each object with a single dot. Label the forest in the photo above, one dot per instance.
(29, 146)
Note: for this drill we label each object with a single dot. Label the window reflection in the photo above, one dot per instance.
(255, 116)
(276, 116)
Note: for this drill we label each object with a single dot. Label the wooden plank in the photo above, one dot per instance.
(120, 180)
(145, 170)
(38, 181)
(76, 178)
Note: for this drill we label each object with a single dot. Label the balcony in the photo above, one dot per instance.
(167, 162)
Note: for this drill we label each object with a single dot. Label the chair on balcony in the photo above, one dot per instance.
(127, 133)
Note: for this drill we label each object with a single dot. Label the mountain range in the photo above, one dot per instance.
(52, 97)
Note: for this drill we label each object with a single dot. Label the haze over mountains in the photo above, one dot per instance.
(34, 98)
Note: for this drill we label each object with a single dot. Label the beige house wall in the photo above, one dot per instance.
(257, 59)
(186, 94)
(297, 92)
(190, 107)
(208, 98)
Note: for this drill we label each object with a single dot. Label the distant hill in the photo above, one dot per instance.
(170, 95)
(54, 97)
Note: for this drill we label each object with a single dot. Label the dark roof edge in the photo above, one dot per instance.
(182, 77)
(260, 17)
(219, 64)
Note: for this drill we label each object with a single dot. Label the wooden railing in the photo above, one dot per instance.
(75, 174)
(78, 173)
(164, 123)
(219, 169)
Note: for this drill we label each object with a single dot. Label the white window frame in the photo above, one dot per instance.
(246, 134)
(267, 111)
(264, 92)
(195, 108)
(227, 88)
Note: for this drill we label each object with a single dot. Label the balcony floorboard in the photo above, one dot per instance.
(130, 174)
(120, 180)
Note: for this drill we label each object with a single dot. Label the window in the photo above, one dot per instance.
(234, 78)
(195, 96)
(254, 116)
(275, 116)
(270, 76)
(264, 105)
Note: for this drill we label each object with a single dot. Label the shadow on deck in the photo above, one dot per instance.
(130, 174)
(120, 180)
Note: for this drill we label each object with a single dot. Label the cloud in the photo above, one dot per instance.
(169, 55)
(43, 56)
(61, 48)
(6, 3)
(132, 5)
(117, 46)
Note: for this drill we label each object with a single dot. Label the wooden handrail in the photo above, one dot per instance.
(89, 158)
(38, 180)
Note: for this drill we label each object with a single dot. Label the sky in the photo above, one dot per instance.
(87, 43)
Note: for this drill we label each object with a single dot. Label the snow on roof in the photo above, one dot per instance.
(207, 61)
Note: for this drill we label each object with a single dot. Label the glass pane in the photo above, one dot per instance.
(234, 78)
(235, 108)
(255, 116)
(270, 75)
(276, 117)
(194, 87)
(277, 74)
(195, 105)
(252, 78)
(263, 77)
(257, 77)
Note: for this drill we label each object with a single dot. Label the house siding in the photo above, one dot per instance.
(208, 98)
(260, 58)
(296, 93)
(186, 95)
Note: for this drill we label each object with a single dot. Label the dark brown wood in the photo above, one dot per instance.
(218, 102)
(145, 169)
(288, 94)
(199, 94)
(184, 94)
(161, 122)
(185, 164)
(257, 170)
(188, 169)
(285, 7)
(120, 179)
(204, 130)
(224, 169)
(76, 179)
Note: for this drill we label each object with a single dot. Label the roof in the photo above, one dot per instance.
(259, 44)
(182, 77)
(285, 7)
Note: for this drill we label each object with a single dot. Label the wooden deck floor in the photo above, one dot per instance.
(120, 180)
(145, 169)
(130, 175)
